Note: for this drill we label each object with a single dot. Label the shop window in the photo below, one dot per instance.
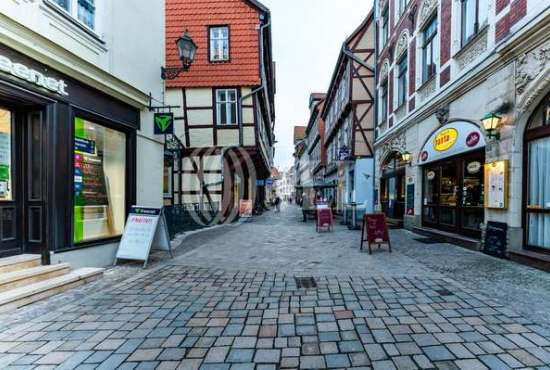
(6, 165)
(474, 15)
(428, 50)
(82, 10)
(539, 193)
(226, 107)
(219, 44)
(402, 82)
(99, 181)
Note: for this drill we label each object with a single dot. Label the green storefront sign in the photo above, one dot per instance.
(164, 123)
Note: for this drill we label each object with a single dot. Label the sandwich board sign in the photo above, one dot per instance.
(145, 229)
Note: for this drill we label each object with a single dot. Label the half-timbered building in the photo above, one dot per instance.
(348, 115)
(226, 112)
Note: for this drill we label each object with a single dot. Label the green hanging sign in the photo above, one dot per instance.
(164, 123)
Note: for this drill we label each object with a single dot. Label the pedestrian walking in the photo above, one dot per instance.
(305, 206)
(278, 204)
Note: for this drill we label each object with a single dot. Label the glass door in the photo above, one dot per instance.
(473, 194)
(449, 194)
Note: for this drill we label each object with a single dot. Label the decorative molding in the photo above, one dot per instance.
(532, 75)
(442, 114)
(412, 16)
(472, 51)
(402, 44)
(427, 89)
(384, 70)
(395, 144)
(428, 8)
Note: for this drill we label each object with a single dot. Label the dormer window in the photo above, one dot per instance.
(219, 44)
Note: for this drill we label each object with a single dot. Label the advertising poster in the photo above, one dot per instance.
(496, 185)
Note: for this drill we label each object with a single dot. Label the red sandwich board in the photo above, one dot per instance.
(376, 228)
(324, 219)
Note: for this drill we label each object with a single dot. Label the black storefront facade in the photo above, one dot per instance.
(67, 160)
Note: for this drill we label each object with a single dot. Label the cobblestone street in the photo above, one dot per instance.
(230, 300)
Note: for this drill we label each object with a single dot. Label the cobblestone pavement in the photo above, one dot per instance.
(232, 302)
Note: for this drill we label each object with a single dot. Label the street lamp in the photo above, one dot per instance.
(186, 51)
(406, 157)
(491, 124)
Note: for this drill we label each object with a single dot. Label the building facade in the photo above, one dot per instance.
(226, 111)
(315, 133)
(442, 66)
(348, 115)
(77, 148)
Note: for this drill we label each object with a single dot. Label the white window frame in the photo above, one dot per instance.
(226, 104)
(401, 6)
(73, 12)
(402, 75)
(217, 42)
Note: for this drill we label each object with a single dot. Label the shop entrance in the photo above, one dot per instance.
(21, 180)
(453, 194)
(392, 187)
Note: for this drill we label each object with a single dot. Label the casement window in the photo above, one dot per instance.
(428, 50)
(385, 25)
(384, 101)
(82, 10)
(401, 5)
(473, 16)
(219, 44)
(402, 82)
(226, 107)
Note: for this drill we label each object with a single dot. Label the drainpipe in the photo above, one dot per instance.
(262, 87)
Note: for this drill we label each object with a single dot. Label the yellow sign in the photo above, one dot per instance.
(445, 139)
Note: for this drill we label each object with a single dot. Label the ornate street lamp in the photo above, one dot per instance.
(491, 124)
(186, 51)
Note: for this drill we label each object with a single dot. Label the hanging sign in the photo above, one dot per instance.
(270, 181)
(473, 167)
(164, 123)
(344, 155)
(496, 185)
(146, 229)
(452, 139)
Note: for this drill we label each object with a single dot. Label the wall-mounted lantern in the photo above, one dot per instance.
(406, 157)
(186, 52)
(491, 124)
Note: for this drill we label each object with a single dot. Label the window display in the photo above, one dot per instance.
(5, 156)
(99, 181)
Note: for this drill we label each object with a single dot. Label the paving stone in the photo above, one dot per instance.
(438, 353)
(337, 361)
(312, 362)
(145, 355)
(267, 356)
(240, 355)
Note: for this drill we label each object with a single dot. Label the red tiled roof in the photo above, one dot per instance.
(243, 20)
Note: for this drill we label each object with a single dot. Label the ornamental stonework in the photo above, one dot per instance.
(472, 52)
(428, 9)
(397, 143)
(427, 90)
(402, 44)
(384, 70)
(532, 75)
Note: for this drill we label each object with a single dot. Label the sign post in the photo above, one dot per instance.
(376, 228)
(146, 229)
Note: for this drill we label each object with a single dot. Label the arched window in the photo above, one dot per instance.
(537, 179)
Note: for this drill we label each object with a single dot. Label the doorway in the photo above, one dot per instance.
(453, 194)
(22, 171)
(392, 187)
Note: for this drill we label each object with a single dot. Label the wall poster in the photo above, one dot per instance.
(496, 185)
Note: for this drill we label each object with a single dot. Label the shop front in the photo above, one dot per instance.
(536, 200)
(67, 160)
(392, 187)
(453, 195)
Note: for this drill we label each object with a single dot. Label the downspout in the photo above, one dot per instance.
(262, 87)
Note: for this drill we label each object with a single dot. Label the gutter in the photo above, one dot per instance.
(263, 79)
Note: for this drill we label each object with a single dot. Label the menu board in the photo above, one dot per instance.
(146, 229)
(324, 218)
(377, 229)
(496, 185)
(410, 199)
(90, 187)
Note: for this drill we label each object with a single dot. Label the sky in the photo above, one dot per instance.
(307, 38)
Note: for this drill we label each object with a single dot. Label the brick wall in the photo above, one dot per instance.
(446, 20)
(412, 67)
(501, 4)
(445, 76)
(518, 10)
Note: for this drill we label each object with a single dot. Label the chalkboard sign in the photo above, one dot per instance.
(324, 218)
(495, 239)
(376, 229)
(145, 229)
(410, 199)
(90, 188)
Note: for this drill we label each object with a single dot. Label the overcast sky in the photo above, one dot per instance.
(307, 38)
